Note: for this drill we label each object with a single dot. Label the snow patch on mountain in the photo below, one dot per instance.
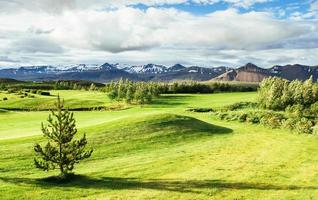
(147, 69)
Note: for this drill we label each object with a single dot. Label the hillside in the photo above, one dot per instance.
(148, 153)
(253, 73)
(247, 73)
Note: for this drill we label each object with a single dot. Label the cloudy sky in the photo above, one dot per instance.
(191, 32)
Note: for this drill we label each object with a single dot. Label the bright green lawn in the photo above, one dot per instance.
(161, 151)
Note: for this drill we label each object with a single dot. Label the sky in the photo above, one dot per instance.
(207, 33)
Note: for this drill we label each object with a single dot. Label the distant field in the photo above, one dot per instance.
(74, 99)
(161, 151)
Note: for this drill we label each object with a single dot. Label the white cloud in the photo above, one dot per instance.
(59, 6)
(132, 29)
(68, 34)
(314, 6)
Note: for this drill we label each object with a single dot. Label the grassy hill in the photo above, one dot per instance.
(161, 151)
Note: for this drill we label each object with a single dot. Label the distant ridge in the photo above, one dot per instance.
(253, 73)
(154, 72)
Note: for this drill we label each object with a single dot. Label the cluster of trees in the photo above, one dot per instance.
(132, 92)
(280, 94)
(144, 92)
(298, 100)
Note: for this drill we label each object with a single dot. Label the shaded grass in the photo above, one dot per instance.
(115, 183)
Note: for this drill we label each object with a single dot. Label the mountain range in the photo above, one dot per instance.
(153, 72)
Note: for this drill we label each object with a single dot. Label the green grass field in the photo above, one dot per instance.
(161, 151)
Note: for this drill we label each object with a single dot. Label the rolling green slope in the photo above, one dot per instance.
(161, 151)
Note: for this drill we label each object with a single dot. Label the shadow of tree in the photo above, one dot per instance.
(171, 100)
(190, 126)
(184, 186)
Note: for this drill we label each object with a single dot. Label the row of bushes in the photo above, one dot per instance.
(271, 119)
(27, 92)
(52, 85)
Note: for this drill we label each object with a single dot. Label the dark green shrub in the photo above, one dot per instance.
(242, 117)
(290, 123)
(314, 109)
(253, 119)
(304, 126)
(45, 93)
(112, 95)
(200, 110)
(5, 99)
(272, 120)
(296, 110)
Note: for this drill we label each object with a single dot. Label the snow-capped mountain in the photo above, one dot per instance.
(147, 69)
(153, 72)
(55, 69)
(107, 71)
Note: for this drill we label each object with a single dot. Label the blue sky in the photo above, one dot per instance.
(191, 32)
(289, 6)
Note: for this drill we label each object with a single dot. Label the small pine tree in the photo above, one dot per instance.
(61, 151)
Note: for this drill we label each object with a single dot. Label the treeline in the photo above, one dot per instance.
(191, 87)
(132, 92)
(144, 92)
(51, 85)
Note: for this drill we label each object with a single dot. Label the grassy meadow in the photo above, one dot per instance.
(158, 151)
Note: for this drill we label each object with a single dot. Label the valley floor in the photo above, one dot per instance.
(162, 151)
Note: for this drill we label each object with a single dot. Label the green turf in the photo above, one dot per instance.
(161, 151)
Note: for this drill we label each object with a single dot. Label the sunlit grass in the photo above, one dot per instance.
(161, 151)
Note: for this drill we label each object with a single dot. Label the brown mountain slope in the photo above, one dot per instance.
(247, 73)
